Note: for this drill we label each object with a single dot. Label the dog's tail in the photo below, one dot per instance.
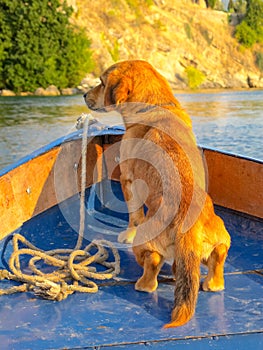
(187, 281)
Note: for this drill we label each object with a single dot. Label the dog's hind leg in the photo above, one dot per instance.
(151, 263)
(216, 259)
(215, 263)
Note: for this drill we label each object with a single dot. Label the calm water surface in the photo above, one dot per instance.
(231, 121)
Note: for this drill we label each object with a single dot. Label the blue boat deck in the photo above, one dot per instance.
(118, 315)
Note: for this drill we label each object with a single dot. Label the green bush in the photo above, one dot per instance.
(259, 60)
(250, 30)
(211, 3)
(230, 6)
(245, 34)
(254, 17)
(194, 77)
(240, 6)
(39, 46)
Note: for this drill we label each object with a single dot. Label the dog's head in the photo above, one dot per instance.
(130, 81)
(133, 83)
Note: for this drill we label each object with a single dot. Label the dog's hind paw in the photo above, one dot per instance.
(146, 286)
(212, 286)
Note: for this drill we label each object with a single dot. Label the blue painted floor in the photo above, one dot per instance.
(120, 316)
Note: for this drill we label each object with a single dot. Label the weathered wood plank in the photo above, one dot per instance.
(235, 183)
(45, 181)
(20, 190)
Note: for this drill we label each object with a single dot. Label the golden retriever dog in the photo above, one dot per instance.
(162, 170)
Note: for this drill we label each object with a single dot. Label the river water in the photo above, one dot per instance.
(230, 121)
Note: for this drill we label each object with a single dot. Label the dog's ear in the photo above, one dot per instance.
(117, 91)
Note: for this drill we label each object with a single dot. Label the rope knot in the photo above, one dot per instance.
(51, 291)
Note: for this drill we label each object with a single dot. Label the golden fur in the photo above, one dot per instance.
(161, 167)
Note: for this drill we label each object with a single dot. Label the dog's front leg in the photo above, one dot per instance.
(135, 209)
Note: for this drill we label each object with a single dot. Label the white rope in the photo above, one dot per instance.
(83, 182)
(72, 270)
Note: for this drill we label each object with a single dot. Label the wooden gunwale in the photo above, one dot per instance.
(53, 176)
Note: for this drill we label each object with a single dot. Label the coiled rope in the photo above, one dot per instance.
(71, 267)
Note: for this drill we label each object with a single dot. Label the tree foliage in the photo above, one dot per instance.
(250, 30)
(230, 6)
(245, 34)
(240, 6)
(39, 46)
(259, 60)
(254, 17)
(210, 3)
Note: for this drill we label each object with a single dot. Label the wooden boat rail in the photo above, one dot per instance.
(54, 175)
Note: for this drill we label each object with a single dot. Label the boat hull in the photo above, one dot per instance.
(40, 200)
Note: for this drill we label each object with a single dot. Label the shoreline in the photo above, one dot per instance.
(77, 91)
(90, 81)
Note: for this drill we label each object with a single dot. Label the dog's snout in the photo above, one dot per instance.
(89, 101)
(93, 98)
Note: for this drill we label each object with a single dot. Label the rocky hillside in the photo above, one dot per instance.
(172, 35)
